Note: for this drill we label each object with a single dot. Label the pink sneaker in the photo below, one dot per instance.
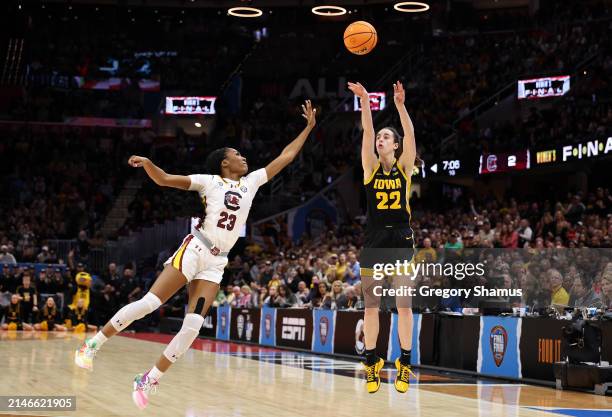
(143, 385)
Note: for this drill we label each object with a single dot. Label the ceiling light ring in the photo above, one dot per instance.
(401, 7)
(245, 12)
(331, 10)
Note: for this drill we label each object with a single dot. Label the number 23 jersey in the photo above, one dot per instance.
(226, 205)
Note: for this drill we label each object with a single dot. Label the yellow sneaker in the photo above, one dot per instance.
(373, 375)
(402, 379)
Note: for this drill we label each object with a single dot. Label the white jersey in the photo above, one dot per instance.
(226, 205)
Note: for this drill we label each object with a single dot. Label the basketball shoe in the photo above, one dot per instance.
(143, 385)
(373, 375)
(84, 356)
(402, 379)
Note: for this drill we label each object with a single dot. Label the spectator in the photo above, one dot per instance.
(525, 233)
(14, 316)
(234, 296)
(321, 296)
(28, 297)
(303, 293)
(6, 257)
(583, 295)
(43, 255)
(287, 298)
(129, 288)
(220, 299)
(560, 296)
(245, 300)
(353, 272)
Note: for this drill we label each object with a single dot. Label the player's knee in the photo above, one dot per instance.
(185, 337)
(135, 311)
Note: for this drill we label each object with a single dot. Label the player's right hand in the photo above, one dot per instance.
(137, 161)
(358, 89)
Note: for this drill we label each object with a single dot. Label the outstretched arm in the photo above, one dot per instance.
(408, 155)
(290, 152)
(158, 175)
(368, 157)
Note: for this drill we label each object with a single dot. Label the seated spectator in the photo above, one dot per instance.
(582, 294)
(560, 297)
(234, 296)
(353, 272)
(14, 316)
(303, 293)
(349, 300)
(220, 299)
(50, 318)
(6, 257)
(287, 298)
(245, 300)
(321, 296)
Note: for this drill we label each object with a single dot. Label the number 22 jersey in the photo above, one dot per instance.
(226, 205)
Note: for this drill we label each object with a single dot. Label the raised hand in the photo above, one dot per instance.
(358, 89)
(309, 113)
(137, 161)
(399, 94)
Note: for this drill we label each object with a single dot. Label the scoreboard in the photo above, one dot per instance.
(543, 87)
(190, 105)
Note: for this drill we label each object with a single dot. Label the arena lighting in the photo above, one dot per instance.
(328, 10)
(411, 7)
(245, 12)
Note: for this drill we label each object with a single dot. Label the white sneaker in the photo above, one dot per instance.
(143, 385)
(84, 356)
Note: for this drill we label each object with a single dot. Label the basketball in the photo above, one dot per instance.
(360, 37)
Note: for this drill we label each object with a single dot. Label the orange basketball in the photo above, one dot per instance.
(360, 37)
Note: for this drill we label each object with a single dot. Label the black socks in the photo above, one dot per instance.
(370, 357)
(405, 357)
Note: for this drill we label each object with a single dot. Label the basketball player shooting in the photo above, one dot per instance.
(227, 193)
(388, 235)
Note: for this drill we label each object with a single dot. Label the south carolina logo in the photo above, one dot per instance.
(491, 163)
(323, 329)
(499, 341)
(232, 200)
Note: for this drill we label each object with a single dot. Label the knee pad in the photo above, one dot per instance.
(185, 337)
(136, 310)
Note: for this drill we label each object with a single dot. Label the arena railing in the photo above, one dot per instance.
(146, 242)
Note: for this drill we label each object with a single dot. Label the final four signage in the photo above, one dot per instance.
(589, 149)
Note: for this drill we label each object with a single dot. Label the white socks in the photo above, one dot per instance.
(155, 374)
(98, 340)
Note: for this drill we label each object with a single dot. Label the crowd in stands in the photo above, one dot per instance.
(561, 256)
(545, 236)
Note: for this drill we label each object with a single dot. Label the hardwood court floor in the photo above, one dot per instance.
(216, 379)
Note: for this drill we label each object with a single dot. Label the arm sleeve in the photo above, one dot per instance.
(199, 182)
(258, 178)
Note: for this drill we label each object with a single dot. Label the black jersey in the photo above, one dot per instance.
(387, 196)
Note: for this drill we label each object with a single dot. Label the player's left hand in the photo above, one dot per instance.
(309, 114)
(399, 94)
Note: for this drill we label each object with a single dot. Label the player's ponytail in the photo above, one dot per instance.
(214, 159)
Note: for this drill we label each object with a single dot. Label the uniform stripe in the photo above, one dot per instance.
(177, 261)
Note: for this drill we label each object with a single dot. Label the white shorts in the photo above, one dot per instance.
(195, 261)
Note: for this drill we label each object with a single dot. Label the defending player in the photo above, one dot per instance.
(227, 193)
(388, 236)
